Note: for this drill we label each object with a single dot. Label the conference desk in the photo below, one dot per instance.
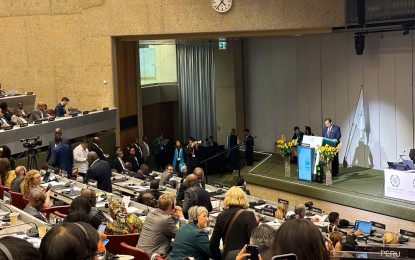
(399, 184)
(72, 127)
(28, 101)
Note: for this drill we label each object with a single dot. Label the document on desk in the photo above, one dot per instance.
(53, 183)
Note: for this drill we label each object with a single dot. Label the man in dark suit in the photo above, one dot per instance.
(332, 131)
(249, 148)
(132, 158)
(62, 158)
(57, 140)
(60, 110)
(39, 113)
(98, 150)
(195, 195)
(100, 171)
(119, 164)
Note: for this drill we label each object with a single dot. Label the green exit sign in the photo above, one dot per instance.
(222, 45)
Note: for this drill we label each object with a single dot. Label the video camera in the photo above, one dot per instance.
(31, 142)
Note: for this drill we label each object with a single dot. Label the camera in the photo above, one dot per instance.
(31, 142)
(308, 205)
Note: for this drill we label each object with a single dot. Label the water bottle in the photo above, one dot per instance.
(71, 189)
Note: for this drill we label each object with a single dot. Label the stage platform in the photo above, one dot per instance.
(356, 187)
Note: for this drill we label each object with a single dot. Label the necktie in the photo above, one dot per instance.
(328, 131)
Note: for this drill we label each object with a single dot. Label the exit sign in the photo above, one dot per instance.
(222, 45)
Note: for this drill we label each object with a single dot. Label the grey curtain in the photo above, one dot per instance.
(195, 75)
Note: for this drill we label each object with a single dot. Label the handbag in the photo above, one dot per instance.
(229, 229)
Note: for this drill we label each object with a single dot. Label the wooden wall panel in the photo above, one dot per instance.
(127, 87)
(159, 118)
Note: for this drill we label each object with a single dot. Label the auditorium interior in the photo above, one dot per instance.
(184, 69)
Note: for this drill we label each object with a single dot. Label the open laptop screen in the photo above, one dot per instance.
(364, 226)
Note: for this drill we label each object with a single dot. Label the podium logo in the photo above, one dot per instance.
(395, 181)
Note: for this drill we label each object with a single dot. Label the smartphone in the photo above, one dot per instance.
(48, 188)
(105, 242)
(101, 227)
(253, 250)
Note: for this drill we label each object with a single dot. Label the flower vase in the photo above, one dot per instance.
(329, 176)
(287, 166)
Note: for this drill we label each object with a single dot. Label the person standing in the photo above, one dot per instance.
(79, 157)
(192, 154)
(178, 159)
(57, 140)
(99, 170)
(249, 148)
(332, 131)
(145, 148)
(97, 149)
(233, 151)
(159, 150)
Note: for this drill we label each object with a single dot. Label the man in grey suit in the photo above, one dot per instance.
(145, 149)
(160, 226)
(39, 113)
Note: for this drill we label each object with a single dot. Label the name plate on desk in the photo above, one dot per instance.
(406, 233)
(268, 211)
(316, 210)
(378, 225)
(23, 125)
(283, 201)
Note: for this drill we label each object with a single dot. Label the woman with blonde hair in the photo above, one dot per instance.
(234, 225)
(281, 211)
(390, 238)
(32, 180)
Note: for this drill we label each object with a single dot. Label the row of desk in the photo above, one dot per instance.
(72, 127)
(124, 185)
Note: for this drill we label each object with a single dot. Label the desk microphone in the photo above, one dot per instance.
(6, 218)
(400, 156)
(32, 232)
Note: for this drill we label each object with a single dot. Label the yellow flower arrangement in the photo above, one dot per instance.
(285, 147)
(327, 153)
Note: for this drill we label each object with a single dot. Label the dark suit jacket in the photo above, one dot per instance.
(249, 143)
(98, 150)
(134, 162)
(117, 165)
(335, 132)
(100, 171)
(196, 196)
(239, 235)
(62, 157)
(52, 146)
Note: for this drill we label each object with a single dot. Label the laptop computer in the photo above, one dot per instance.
(364, 226)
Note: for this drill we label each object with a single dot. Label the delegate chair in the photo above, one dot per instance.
(17, 200)
(2, 190)
(134, 251)
(114, 246)
(60, 211)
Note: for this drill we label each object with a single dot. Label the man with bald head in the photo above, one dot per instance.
(56, 140)
(39, 113)
(195, 195)
(36, 200)
(200, 176)
(20, 173)
(97, 149)
(99, 170)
